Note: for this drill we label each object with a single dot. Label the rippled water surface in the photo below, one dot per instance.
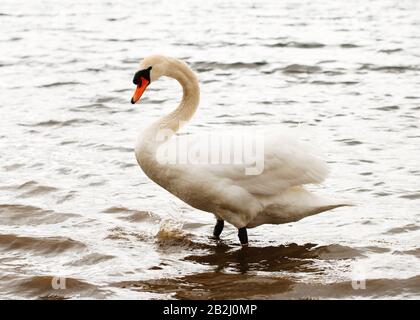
(74, 203)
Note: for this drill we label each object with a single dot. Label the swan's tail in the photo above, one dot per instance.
(318, 204)
(332, 206)
(295, 204)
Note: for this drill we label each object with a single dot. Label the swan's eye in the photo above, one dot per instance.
(145, 73)
(137, 78)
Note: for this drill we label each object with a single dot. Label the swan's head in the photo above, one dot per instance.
(151, 68)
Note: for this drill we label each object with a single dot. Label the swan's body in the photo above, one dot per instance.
(275, 196)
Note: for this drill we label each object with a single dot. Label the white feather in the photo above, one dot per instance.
(275, 195)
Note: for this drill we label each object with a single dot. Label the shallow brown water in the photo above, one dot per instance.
(78, 219)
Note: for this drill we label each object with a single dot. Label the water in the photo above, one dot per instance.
(75, 209)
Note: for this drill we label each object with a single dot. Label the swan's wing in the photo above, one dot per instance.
(286, 162)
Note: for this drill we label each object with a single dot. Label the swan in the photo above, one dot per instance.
(274, 196)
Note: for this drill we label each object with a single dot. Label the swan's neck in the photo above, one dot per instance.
(162, 130)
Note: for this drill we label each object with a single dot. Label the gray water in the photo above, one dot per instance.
(75, 208)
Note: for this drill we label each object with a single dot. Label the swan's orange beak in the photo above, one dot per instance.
(139, 90)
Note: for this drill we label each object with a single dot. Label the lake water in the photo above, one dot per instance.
(79, 219)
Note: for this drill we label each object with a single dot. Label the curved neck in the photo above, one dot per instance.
(164, 128)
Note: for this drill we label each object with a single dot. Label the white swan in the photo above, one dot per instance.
(275, 196)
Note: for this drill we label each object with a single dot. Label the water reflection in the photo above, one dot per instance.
(253, 272)
(210, 285)
(291, 257)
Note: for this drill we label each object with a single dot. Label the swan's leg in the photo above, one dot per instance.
(218, 228)
(243, 236)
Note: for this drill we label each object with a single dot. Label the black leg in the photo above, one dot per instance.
(218, 228)
(243, 236)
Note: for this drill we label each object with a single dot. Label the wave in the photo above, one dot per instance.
(68, 196)
(59, 84)
(388, 69)
(411, 196)
(203, 66)
(414, 252)
(122, 40)
(337, 252)
(57, 123)
(171, 234)
(41, 245)
(349, 45)
(388, 51)
(300, 68)
(388, 108)
(120, 234)
(90, 107)
(328, 83)
(407, 228)
(295, 44)
(17, 214)
(106, 147)
(350, 142)
(91, 259)
(52, 288)
(32, 189)
(133, 215)
(13, 166)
